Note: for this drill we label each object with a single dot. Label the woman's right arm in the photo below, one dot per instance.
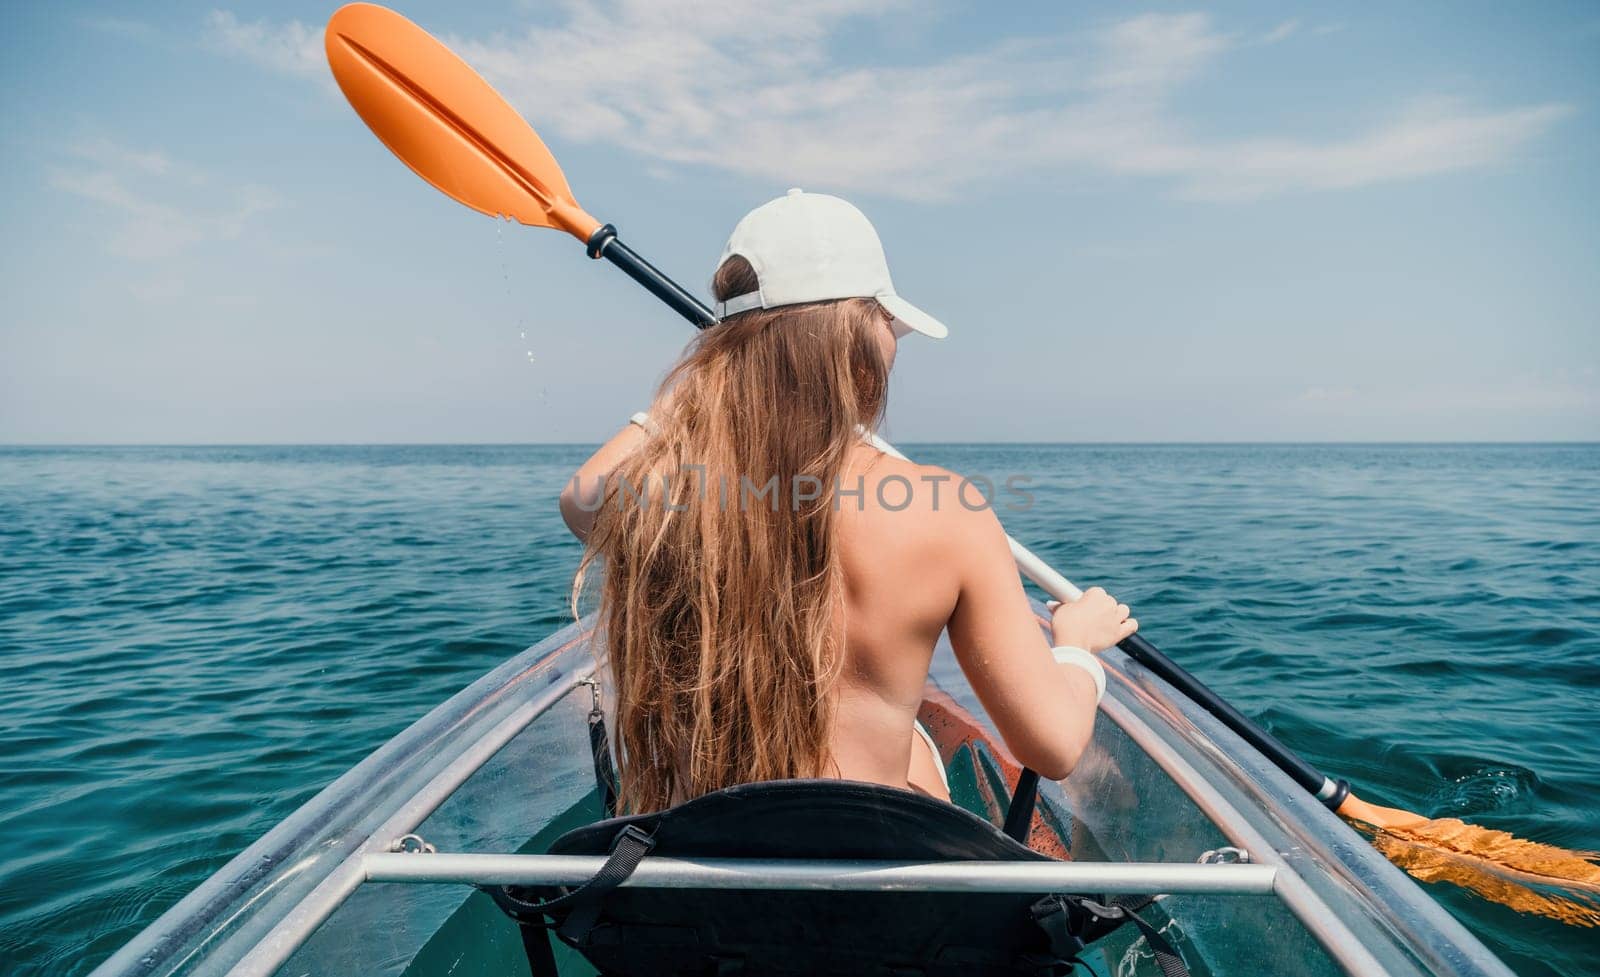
(581, 497)
(1043, 710)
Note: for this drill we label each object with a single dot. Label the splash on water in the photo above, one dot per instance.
(1483, 789)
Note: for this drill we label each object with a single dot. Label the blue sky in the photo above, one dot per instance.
(1166, 223)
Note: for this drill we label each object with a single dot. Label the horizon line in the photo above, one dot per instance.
(580, 444)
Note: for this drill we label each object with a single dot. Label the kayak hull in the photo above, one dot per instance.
(504, 766)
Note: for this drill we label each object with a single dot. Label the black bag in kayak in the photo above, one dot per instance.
(695, 932)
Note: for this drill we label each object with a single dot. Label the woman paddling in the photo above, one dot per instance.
(773, 586)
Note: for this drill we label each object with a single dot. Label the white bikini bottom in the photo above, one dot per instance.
(922, 731)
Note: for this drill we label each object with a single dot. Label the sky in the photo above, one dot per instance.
(1230, 222)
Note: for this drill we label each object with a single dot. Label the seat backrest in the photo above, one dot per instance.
(810, 819)
(782, 933)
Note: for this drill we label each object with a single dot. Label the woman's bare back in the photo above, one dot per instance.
(919, 558)
(900, 591)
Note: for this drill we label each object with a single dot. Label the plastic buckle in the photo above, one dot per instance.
(638, 834)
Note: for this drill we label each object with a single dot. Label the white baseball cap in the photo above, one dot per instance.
(810, 247)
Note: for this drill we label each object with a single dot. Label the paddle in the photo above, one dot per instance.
(456, 132)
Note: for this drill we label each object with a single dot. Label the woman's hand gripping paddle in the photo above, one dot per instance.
(457, 133)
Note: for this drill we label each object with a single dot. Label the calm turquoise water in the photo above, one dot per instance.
(195, 640)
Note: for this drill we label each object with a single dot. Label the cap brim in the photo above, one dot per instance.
(913, 317)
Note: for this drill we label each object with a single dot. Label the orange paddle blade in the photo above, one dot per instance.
(445, 122)
(1528, 876)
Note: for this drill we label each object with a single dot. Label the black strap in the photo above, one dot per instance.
(1073, 922)
(1053, 915)
(582, 905)
(1091, 927)
(1167, 958)
(1132, 904)
(632, 845)
(1019, 817)
(628, 849)
(536, 944)
(605, 773)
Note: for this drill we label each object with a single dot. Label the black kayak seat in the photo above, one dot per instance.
(636, 931)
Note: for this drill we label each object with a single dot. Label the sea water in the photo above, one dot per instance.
(193, 641)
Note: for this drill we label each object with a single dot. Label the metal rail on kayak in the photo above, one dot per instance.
(811, 875)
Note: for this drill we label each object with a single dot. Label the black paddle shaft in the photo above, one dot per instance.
(604, 243)
(1328, 791)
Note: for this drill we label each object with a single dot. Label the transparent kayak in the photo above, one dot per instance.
(503, 767)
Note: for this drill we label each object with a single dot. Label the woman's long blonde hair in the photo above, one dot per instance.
(722, 594)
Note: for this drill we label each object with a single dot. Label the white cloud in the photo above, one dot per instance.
(112, 155)
(1155, 53)
(1568, 391)
(293, 48)
(1281, 32)
(1430, 137)
(757, 89)
(141, 187)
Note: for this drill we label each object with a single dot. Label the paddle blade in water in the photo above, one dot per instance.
(1528, 876)
(445, 122)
